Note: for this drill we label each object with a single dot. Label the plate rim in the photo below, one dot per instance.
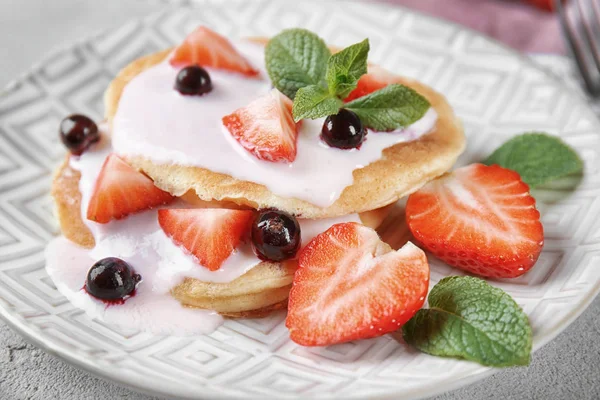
(31, 334)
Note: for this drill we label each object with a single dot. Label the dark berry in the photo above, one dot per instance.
(78, 132)
(275, 235)
(111, 279)
(343, 130)
(193, 80)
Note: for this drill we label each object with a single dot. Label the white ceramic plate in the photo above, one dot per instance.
(497, 94)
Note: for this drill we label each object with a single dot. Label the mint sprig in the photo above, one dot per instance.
(472, 320)
(395, 106)
(538, 157)
(300, 66)
(296, 58)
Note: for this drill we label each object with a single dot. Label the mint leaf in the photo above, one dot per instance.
(472, 320)
(296, 58)
(395, 106)
(539, 158)
(314, 102)
(345, 68)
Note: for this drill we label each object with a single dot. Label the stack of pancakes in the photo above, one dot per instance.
(402, 169)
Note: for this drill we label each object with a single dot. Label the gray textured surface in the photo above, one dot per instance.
(566, 368)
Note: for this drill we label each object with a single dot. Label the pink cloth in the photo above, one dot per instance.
(515, 23)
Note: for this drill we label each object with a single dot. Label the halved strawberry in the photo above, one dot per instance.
(121, 190)
(377, 78)
(478, 218)
(350, 285)
(266, 127)
(209, 234)
(207, 48)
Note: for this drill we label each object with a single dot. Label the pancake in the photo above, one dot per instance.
(402, 169)
(258, 292)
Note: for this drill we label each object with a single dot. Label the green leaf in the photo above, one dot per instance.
(472, 320)
(315, 102)
(296, 58)
(345, 68)
(539, 158)
(395, 106)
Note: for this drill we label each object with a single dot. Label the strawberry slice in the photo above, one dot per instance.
(266, 127)
(377, 78)
(121, 190)
(478, 218)
(350, 285)
(207, 48)
(209, 234)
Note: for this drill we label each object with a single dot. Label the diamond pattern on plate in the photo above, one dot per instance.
(496, 94)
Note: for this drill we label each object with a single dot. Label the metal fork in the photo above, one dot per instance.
(582, 33)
